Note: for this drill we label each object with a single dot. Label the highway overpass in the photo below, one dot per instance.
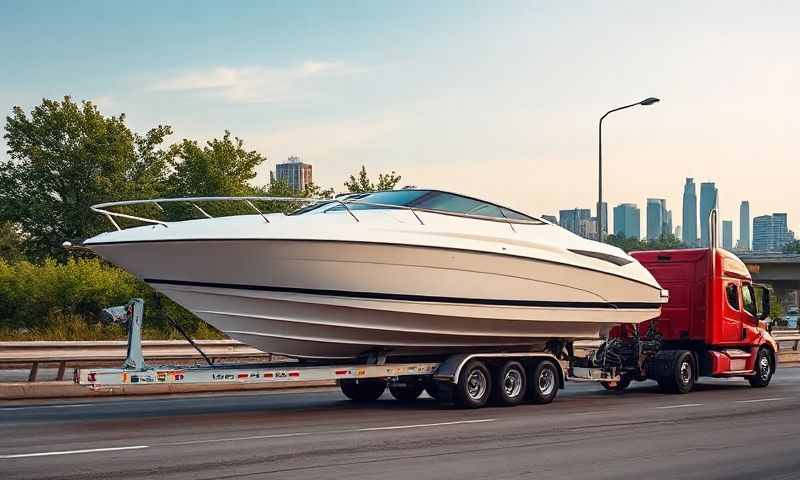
(780, 270)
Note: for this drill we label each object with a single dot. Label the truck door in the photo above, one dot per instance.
(749, 309)
(731, 328)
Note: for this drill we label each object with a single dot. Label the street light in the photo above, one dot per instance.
(646, 101)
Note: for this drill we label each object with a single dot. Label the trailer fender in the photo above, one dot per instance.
(450, 369)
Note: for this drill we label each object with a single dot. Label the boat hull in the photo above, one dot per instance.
(343, 299)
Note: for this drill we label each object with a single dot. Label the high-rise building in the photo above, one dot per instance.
(294, 173)
(689, 225)
(708, 202)
(771, 232)
(605, 218)
(678, 232)
(578, 221)
(627, 221)
(659, 219)
(744, 226)
(727, 234)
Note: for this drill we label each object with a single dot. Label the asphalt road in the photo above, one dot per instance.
(725, 429)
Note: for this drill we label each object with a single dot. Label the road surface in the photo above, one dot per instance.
(725, 429)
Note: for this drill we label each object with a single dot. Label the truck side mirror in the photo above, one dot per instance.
(764, 313)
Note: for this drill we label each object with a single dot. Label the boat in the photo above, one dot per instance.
(401, 272)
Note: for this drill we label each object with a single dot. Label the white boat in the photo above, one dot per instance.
(398, 273)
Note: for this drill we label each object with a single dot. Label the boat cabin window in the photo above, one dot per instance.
(434, 200)
(749, 299)
(732, 292)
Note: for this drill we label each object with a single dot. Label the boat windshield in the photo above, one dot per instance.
(432, 200)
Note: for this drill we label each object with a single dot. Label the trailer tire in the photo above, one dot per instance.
(366, 390)
(510, 384)
(439, 391)
(474, 385)
(764, 368)
(682, 374)
(543, 381)
(406, 392)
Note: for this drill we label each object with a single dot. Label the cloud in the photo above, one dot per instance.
(256, 84)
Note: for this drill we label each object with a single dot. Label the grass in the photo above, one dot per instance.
(71, 327)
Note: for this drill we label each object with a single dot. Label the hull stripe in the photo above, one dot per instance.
(413, 298)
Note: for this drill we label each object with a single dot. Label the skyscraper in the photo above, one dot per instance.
(771, 232)
(575, 220)
(627, 220)
(605, 218)
(727, 234)
(666, 227)
(655, 217)
(296, 174)
(744, 226)
(689, 226)
(708, 202)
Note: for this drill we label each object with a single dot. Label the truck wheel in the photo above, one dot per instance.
(406, 391)
(509, 387)
(366, 390)
(543, 382)
(681, 380)
(764, 369)
(624, 382)
(474, 385)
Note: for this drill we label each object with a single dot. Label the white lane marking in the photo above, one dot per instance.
(256, 437)
(761, 400)
(681, 406)
(70, 452)
(39, 407)
(329, 432)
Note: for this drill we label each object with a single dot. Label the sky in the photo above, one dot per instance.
(499, 100)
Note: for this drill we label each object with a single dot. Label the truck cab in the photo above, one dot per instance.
(715, 310)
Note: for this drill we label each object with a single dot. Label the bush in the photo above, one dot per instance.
(52, 301)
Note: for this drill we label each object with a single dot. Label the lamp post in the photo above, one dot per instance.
(646, 101)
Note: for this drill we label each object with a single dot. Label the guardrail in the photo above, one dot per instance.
(17, 354)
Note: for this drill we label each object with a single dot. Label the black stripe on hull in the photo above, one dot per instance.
(412, 298)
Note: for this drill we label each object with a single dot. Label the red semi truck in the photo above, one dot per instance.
(713, 326)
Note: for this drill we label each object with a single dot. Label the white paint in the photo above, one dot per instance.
(681, 406)
(71, 452)
(761, 400)
(331, 432)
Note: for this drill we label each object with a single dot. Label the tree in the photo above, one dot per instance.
(363, 184)
(64, 158)
(792, 247)
(666, 241)
(10, 243)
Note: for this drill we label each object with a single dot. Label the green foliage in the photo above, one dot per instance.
(10, 243)
(66, 157)
(629, 244)
(37, 299)
(792, 247)
(363, 184)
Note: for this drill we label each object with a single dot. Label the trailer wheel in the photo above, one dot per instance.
(543, 382)
(439, 391)
(366, 390)
(764, 369)
(474, 385)
(406, 391)
(681, 378)
(509, 387)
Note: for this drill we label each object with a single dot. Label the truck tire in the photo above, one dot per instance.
(543, 380)
(474, 385)
(765, 367)
(680, 378)
(366, 390)
(510, 386)
(620, 386)
(407, 391)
